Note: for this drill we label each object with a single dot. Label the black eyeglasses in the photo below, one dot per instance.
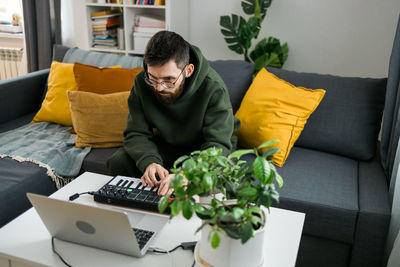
(165, 84)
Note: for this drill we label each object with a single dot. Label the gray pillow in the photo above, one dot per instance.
(101, 59)
(348, 119)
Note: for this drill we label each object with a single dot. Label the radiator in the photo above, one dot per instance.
(10, 61)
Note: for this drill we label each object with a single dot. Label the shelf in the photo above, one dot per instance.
(146, 6)
(104, 5)
(174, 12)
(112, 50)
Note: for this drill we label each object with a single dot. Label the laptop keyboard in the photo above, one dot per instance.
(142, 236)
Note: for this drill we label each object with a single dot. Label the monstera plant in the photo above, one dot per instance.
(239, 33)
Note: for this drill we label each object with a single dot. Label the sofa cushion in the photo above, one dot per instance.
(101, 59)
(99, 119)
(16, 123)
(347, 121)
(325, 187)
(103, 80)
(96, 160)
(55, 106)
(237, 76)
(17, 178)
(275, 109)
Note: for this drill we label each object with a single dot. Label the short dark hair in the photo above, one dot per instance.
(164, 46)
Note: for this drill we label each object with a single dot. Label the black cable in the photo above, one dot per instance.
(183, 245)
(54, 250)
(75, 196)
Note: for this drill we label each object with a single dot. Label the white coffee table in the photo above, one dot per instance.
(26, 242)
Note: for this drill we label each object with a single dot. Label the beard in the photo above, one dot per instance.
(169, 97)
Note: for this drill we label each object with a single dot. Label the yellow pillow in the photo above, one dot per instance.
(105, 80)
(275, 109)
(55, 106)
(99, 119)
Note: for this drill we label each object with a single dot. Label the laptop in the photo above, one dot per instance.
(102, 228)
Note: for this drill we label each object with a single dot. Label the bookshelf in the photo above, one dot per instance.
(174, 13)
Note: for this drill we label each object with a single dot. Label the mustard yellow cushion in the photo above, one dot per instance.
(275, 109)
(55, 106)
(103, 80)
(99, 119)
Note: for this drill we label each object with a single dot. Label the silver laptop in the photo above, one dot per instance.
(99, 227)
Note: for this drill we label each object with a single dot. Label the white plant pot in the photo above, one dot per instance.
(230, 252)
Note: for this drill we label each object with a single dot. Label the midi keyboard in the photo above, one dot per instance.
(129, 192)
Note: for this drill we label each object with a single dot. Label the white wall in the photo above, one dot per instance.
(341, 37)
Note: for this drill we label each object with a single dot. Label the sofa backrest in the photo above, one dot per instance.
(101, 59)
(237, 75)
(348, 119)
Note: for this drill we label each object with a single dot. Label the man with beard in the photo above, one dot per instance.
(178, 104)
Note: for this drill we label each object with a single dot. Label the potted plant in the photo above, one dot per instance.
(236, 190)
(239, 33)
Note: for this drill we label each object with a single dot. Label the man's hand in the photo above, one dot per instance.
(149, 175)
(163, 188)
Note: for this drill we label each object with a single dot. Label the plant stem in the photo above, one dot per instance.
(246, 55)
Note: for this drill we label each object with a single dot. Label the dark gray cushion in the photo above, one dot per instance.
(59, 52)
(237, 76)
(16, 123)
(374, 217)
(324, 186)
(347, 121)
(96, 160)
(16, 179)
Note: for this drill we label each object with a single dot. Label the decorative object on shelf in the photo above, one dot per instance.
(239, 33)
(234, 191)
(145, 27)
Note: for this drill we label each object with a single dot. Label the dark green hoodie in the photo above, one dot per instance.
(201, 117)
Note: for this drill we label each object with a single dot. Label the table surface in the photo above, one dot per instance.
(26, 241)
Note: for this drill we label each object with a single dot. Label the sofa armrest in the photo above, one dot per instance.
(22, 95)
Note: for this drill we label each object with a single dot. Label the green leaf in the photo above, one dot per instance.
(215, 240)
(239, 153)
(232, 231)
(180, 160)
(187, 209)
(176, 206)
(250, 8)
(278, 179)
(248, 192)
(247, 232)
(204, 213)
(188, 165)
(268, 143)
(262, 169)
(271, 151)
(177, 181)
(207, 181)
(163, 203)
(237, 213)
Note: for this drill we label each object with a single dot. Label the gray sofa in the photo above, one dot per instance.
(333, 173)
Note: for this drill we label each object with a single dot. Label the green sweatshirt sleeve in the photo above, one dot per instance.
(139, 137)
(219, 122)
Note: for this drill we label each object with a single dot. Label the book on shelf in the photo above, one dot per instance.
(150, 2)
(105, 13)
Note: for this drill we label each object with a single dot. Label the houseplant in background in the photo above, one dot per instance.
(239, 33)
(236, 191)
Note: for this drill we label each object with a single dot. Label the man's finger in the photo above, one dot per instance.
(161, 172)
